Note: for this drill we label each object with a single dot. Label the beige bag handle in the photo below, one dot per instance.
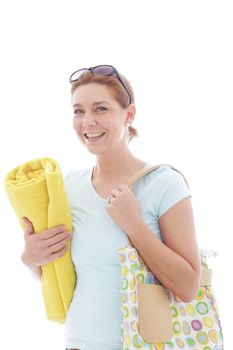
(147, 170)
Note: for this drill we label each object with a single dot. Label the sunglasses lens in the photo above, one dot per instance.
(103, 70)
(76, 75)
(99, 70)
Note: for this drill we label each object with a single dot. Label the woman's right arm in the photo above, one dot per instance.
(42, 248)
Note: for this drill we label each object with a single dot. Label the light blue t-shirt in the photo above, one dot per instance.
(94, 316)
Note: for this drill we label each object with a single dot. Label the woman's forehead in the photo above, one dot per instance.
(92, 92)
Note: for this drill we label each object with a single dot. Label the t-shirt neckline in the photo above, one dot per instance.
(93, 188)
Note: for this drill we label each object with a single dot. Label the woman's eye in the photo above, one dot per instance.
(101, 109)
(78, 111)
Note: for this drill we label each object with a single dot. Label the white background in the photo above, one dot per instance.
(178, 57)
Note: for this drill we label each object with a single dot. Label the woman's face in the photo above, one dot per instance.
(96, 112)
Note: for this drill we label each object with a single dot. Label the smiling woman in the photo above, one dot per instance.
(156, 216)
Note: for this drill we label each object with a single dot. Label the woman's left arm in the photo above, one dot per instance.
(176, 261)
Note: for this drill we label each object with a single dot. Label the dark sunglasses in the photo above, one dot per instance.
(100, 70)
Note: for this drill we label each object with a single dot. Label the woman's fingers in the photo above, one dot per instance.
(29, 227)
(55, 247)
(47, 234)
(57, 238)
(57, 255)
(46, 246)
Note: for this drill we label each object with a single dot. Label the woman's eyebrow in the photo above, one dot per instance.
(94, 104)
(76, 105)
(100, 102)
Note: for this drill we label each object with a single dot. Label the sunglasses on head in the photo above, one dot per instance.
(100, 70)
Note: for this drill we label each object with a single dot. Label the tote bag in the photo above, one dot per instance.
(154, 318)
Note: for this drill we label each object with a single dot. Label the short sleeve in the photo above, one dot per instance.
(174, 190)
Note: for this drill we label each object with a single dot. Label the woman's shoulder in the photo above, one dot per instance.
(166, 174)
(169, 186)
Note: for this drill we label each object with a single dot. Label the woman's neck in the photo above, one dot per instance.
(113, 171)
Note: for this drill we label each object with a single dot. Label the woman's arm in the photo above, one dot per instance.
(176, 261)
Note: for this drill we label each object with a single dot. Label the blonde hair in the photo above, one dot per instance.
(115, 85)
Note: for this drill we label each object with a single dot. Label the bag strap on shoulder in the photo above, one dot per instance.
(147, 170)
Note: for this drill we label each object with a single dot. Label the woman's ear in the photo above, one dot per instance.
(130, 114)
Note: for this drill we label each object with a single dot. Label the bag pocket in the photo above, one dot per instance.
(154, 316)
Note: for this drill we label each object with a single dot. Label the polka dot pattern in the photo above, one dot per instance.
(196, 325)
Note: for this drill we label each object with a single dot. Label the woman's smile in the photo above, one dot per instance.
(94, 137)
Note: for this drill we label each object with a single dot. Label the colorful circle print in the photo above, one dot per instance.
(140, 278)
(200, 294)
(208, 322)
(213, 336)
(124, 283)
(133, 269)
(196, 325)
(174, 311)
(159, 346)
(186, 328)
(132, 256)
(132, 284)
(127, 340)
(134, 326)
(177, 328)
(190, 310)
(147, 346)
(122, 258)
(190, 341)
(125, 271)
(150, 278)
(202, 338)
(141, 267)
(182, 311)
(170, 344)
(125, 311)
(133, 297)
(137, 342)
(124, 298)
(217, 347)
(202, 308)
(180, 343)
(134, 311)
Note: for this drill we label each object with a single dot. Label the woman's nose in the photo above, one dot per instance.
(88, 119)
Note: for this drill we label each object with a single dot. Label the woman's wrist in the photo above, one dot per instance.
(35, 270)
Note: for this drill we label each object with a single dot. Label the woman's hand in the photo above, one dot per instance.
(44, 247)
(123, 207)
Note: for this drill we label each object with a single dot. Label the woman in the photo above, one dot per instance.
(156, 215)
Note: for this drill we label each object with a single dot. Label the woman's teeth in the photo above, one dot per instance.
(94, 135)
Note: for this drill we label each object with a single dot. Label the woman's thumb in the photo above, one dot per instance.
(29, 226)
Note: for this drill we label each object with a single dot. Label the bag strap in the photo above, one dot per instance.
(147, 170)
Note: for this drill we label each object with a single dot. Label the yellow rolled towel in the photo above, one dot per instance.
(36, 190)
